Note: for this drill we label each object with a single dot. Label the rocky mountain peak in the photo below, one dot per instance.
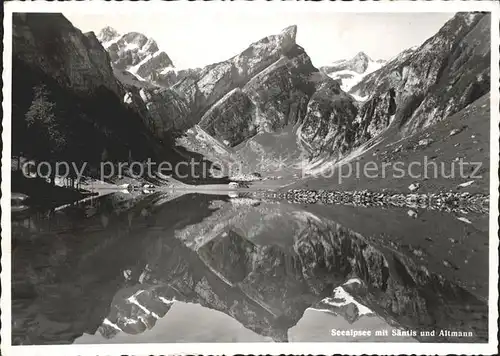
(360, 62)
(140, 40)
(362, 56)
(107, 34)
(291, 32)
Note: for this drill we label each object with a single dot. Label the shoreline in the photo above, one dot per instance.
(444, 201)
(461, 201)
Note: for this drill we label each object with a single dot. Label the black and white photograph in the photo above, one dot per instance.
(250, 177)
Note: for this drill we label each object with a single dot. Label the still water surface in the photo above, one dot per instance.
(214, 268)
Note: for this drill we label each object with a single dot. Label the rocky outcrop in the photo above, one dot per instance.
(328, 124)
(218, 79)
(289, 91)
(162, 109)
(281, 92)
(273, 99)
(108, 34)
(170, 75)
(375, 116)
(427, 84)
(149, 68)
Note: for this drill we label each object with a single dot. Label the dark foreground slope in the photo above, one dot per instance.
(74, 71)
(67, 104)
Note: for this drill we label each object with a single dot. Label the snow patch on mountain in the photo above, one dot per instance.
(175, 70)
(108, 44)
(136, 67)
(342, 298)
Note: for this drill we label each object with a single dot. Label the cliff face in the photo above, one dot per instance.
(51, 43)
(162, 109)
(328, 125)
(72, 76)
(424, 85)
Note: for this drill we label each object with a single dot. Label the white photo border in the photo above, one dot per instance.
(185, 7)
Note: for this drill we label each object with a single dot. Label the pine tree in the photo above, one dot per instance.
(48, 141)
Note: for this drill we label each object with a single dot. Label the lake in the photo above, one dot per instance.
(192, 267)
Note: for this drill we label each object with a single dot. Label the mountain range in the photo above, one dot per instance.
(267, 103)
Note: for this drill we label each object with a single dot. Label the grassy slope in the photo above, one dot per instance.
(471, 144)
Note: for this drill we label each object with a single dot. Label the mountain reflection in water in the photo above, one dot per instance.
(208, 268)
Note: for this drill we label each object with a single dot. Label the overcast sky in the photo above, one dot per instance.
(204, 38)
